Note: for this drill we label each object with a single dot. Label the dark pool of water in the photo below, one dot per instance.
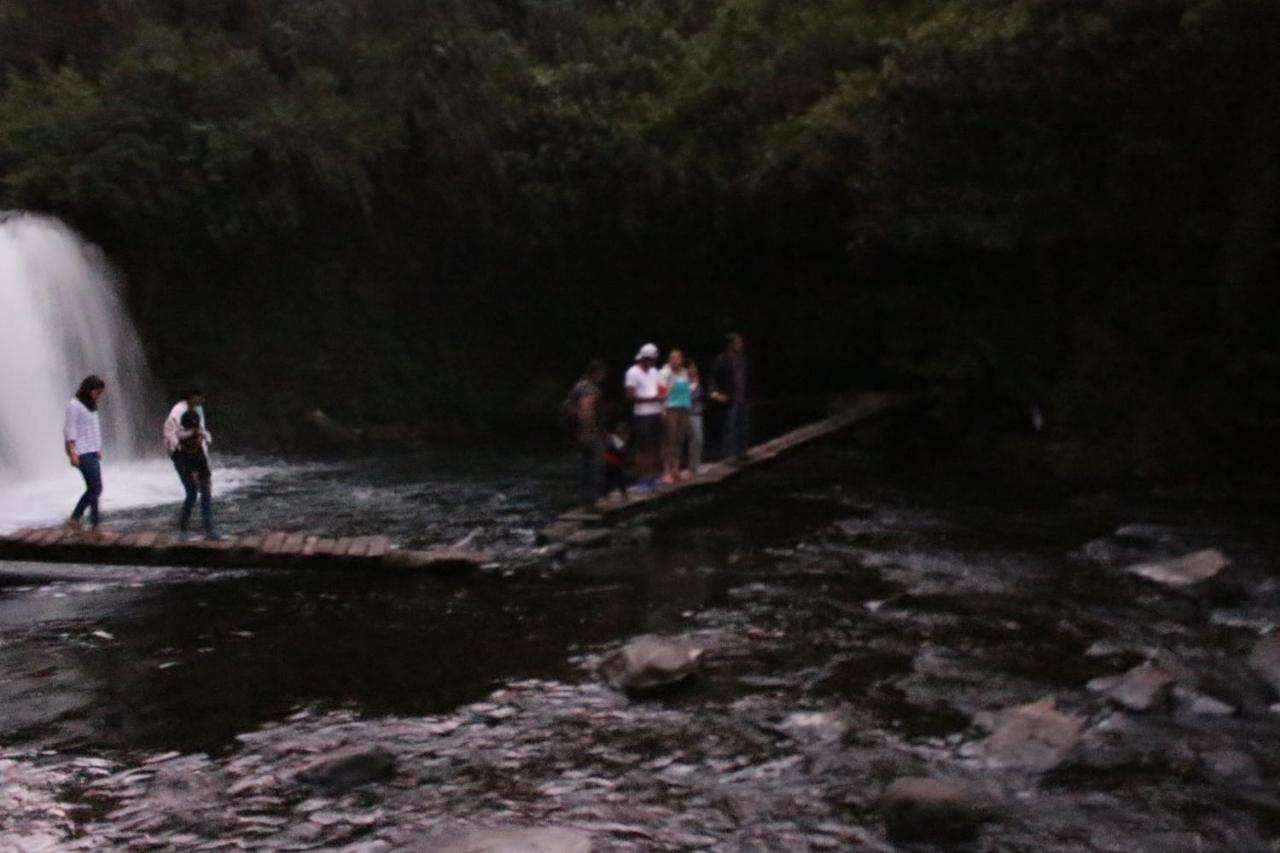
(860, 606)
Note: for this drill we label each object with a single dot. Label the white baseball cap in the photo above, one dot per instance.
(648, 351)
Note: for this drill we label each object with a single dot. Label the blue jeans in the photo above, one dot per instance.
(194, 474)
(736, 435)
(91, 470)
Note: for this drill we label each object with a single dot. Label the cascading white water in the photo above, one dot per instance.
(61, 319)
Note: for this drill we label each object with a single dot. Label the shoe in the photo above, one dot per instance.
(667, 479)
(214, 536)
(186, 536)
(684, 476)
(73, 524)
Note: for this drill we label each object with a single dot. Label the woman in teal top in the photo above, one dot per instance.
(674, 383)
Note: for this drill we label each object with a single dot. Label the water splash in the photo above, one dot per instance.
(61, 319)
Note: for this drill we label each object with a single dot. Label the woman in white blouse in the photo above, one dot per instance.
(83, 436)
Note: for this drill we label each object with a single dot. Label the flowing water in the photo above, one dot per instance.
(862, 609)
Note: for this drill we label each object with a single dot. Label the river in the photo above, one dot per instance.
(863, 604)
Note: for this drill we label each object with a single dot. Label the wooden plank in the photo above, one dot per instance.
(36, 536)
(324, 547)
(309, 545)
(17, 535)
(378, 547)
(342, 546)
(292, 544)
(251, 544)
(359, 547)
(147, 539)
(129, 540)
(271, 545)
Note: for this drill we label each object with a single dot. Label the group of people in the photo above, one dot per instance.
(663, 439)
(186, 438)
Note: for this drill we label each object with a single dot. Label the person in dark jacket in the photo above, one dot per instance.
(731, 387)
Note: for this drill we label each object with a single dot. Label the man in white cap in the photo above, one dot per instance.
(645, 393)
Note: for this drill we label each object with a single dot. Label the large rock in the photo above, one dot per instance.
(1140, 689)
(349, 767)
(1184, 571)
(1035, 737)
(1264, 660)
(651, 663)
(519, 841)
(924, 809)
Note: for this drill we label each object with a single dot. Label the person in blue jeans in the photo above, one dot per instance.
(82, 434)
(187, 440)
(731, 387)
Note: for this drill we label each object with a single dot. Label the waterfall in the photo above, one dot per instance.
(61, 319)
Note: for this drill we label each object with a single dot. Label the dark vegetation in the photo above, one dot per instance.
(420, 211)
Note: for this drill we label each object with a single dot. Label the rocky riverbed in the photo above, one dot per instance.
(867, 661)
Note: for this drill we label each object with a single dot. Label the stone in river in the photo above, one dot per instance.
(1264, 660)
(519, 841)
(1035, 737)
(1183, 571)
(651, 663)
(917, 808)
(1140, 689)
(349, 767)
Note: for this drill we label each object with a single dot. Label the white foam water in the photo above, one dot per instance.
(61, 319)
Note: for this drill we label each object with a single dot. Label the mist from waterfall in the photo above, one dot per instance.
(61, 319)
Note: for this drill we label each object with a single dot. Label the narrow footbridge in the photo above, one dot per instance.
(582, 527)
(274, 550)
(589, 526)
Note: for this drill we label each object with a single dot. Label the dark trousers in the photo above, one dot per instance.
(735, 436)
(91, 470)
(591, 470)
(193, 471)
(615, 477)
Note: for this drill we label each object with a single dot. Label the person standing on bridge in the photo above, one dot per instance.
(82, 434)
(731, 387)
(675, 415)
(644, 390)
(187, 444)
(582, 413)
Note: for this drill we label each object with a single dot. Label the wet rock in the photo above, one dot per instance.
(922, 809)
(1184, 571)
(518, 841)
(1140, 689)
(350, 767)
(1232, 764)
(1035, 737)
(1196, 704)
(646, 664)
(1264, 660)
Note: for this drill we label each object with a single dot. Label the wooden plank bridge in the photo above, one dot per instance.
(589, 526)
(583, 527)
(274, 550)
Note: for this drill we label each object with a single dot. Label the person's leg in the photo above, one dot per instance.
(695, 442)
(728, 439)
(91, 471)
(187, 476)
(591, 471)
(670, 437)
(742, 429)
(679, 438)
(206, 499)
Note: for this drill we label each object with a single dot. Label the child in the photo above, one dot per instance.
(615, 458)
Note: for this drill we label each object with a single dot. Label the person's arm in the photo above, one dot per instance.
(171, 429)
(717, 381)
(69, 435)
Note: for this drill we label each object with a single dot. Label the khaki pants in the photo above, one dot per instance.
(675, 434)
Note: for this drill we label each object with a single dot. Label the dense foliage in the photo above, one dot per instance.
(402, 209)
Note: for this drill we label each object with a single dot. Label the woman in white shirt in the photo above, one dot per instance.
(83, 436)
